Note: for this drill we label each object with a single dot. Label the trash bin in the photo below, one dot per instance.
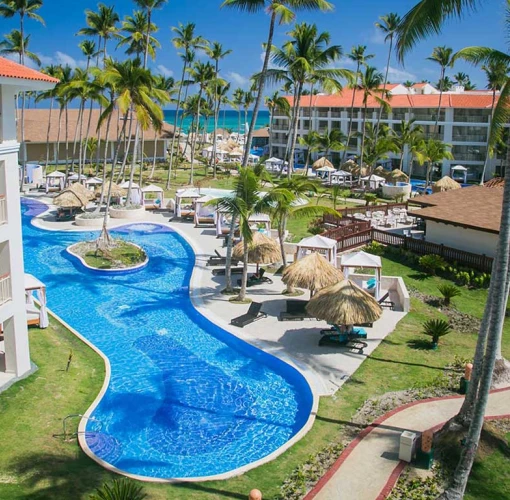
(407, 446)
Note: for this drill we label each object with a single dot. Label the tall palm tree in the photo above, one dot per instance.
(88, 49)
(432, 151)
(201, 74)
(408, 84)
(149, 6)
(273, 103)
(65, 76)
(311, 142)
(14, 45)
(135, 39)
(334, 140)
(188, 41)
(247, 102)
(216, 52)
(358, 56)
(281, 11)
(444, 57)
(461, 78)
(371, 86)
(388, 25)
(237, 102)
(407, 136)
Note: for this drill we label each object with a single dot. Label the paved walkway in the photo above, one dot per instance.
(369, 467)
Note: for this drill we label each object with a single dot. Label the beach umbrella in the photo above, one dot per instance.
(261, 250)
(322, 162)
(445, 184)
(313, 272)
(398, 176)
(344, 303)
(69, 198)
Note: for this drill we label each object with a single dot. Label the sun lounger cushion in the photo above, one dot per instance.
(371, 283)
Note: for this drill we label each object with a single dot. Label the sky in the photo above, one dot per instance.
(351, 23)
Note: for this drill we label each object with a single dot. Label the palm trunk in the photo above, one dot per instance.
(294, 133)
(154, 157)
(487, 156)
(440, 98)
(258, 100)
(127, 147)
(57, 152)
(349, 133)
(293, 117)
(142, 153)
(76, 130)
(281, 236)
(242, 292)
(80, 148)
(67, 141)
(133, 166)
(228, 260)
(216, 118)
(363, 134)
(106, 144)
(379, 116)
(87, 136)
(194, 143)
(271, 131)
(48, 137)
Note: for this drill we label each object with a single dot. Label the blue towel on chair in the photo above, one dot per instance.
(371, 283)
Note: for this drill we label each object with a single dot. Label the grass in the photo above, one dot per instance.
(122, 255)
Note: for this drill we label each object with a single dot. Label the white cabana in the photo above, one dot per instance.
(273, 164)
(153, 197)
(55, 181)
(222, 221)
(325, 172)
(92, 182)
(34, 174)
(341, 177)
(460, 171)
(221, 154)
(35, 316)
(253, 159)
(136, 192)
(373, 181)
(76, 178)
(185, 202)
(319, 244)
(235, 156)
(364, 260)
(204, 213)
(258, 220)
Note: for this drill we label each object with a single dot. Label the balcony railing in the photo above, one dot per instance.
(5, 288)
(470, 138)
(3, 209)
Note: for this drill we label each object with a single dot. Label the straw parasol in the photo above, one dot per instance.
(261, 250)
(344, 303)
(322, 162)
(398, 176)
(445, 184)
(117, 191)
(313, 272)
(82, 190)
(69, 198)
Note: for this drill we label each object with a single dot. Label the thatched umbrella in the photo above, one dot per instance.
(261, 250)
(398, 176)
(445, 184)
(322, 162)
(116, 192)
(344, 303)
(313, 272)
(380, 171)
(70, 199)
(82, 190)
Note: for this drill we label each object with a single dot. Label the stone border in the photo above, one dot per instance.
(120, 213)
(198, 303)
(86, 222)
(106, 272)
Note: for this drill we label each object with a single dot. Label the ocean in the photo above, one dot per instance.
(229, 119)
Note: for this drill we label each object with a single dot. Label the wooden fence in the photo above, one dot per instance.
(346, 212)
(349, 228)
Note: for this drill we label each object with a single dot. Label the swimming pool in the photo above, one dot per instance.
(186, 399)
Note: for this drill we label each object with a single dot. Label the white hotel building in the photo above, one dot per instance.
(463, 123)
(14, 350)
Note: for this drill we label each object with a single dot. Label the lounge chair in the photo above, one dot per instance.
(222, 272)
(257, 279)
(220, 260)
(254, 313)
(353, 339)
(295, 311)
(386, 304)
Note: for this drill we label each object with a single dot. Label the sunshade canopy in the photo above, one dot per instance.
(322, 162)
(445, 184)
(361, 259)
(152, 188)
(261, 250)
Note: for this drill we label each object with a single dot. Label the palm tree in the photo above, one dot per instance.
(378, 143)
(136, 27)
(201, 74)
(247, 102)
(237, 102)
(444, 57)
(461, 79)
(188, 41)
(281, 11)
(14, 45)
(88, 49)
(371, 86)
(432, 151)
(358, 56)
(149, 6)
(65, 76)
(388, 25)
(273, 103)
(406, 136)
(408, 84)
(311, 142)
(333, 140)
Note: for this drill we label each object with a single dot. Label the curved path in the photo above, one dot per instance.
(369, 467)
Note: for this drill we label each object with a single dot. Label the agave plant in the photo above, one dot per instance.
(436, 328)
(119, 489)
(448, 292)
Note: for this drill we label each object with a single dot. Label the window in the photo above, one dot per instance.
(469, 153)
(471, 115)
(470, 134)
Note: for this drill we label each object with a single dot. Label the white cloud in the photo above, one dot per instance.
(400, 75)
(62, 59)
(163, 70)
(237, 79)
(377, 37)
(15, 58)
(345, 62)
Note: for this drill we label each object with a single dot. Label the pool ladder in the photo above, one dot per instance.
(74, 415)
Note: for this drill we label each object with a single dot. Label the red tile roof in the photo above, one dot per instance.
(10, 69)
(466, 100)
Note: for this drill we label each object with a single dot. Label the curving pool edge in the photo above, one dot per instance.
(197, 302)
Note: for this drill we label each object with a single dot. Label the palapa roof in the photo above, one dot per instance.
(261, 250)
(322, 162)
(261, 132)
(312, 272)
(497, 182)
(82, 190)
(344, 303)
(317, 241)
(446, 183)
(398, 174)
(70, 198)
(360, 259)
(116, 190)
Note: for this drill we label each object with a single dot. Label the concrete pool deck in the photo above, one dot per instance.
(326, 368)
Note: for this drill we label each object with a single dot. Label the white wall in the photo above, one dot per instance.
(468, 240)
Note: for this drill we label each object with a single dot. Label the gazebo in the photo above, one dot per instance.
(55, 181)
(318, 244)
(364, 260)
(461, 171)
(92, 182)
(136, 192)
(205, 214)
(341, 177)
(273, 163)
(257, 220)
(35, 316)
(153, 197)
(74, 178)
(445, 184)
(325, 172)
(188, 196)
(373, 181)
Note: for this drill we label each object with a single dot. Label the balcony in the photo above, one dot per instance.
(470, 138)
(3, 209)
(5, 288)
(421, 117)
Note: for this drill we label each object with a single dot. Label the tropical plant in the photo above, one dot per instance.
(119, 489)
(237, 103)
(370, 198)
(436, 328)
(445, 83)
(338, 191)
(14, 45)
(461, 78)
(276, 102)
(378, 144)
(149, 6)
(448, 292)
(135, 39)
(333, 140)
(408, 135)
(432, 263)
(311, 142)
(444, 57)
(408, 84)
(432, 151)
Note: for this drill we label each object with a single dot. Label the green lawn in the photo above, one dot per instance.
(125, 253)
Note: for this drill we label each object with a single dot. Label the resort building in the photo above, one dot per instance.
(62, 130)
(14, 351)
(463, 123)
(467, 219)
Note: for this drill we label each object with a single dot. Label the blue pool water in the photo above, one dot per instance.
(186, 398)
